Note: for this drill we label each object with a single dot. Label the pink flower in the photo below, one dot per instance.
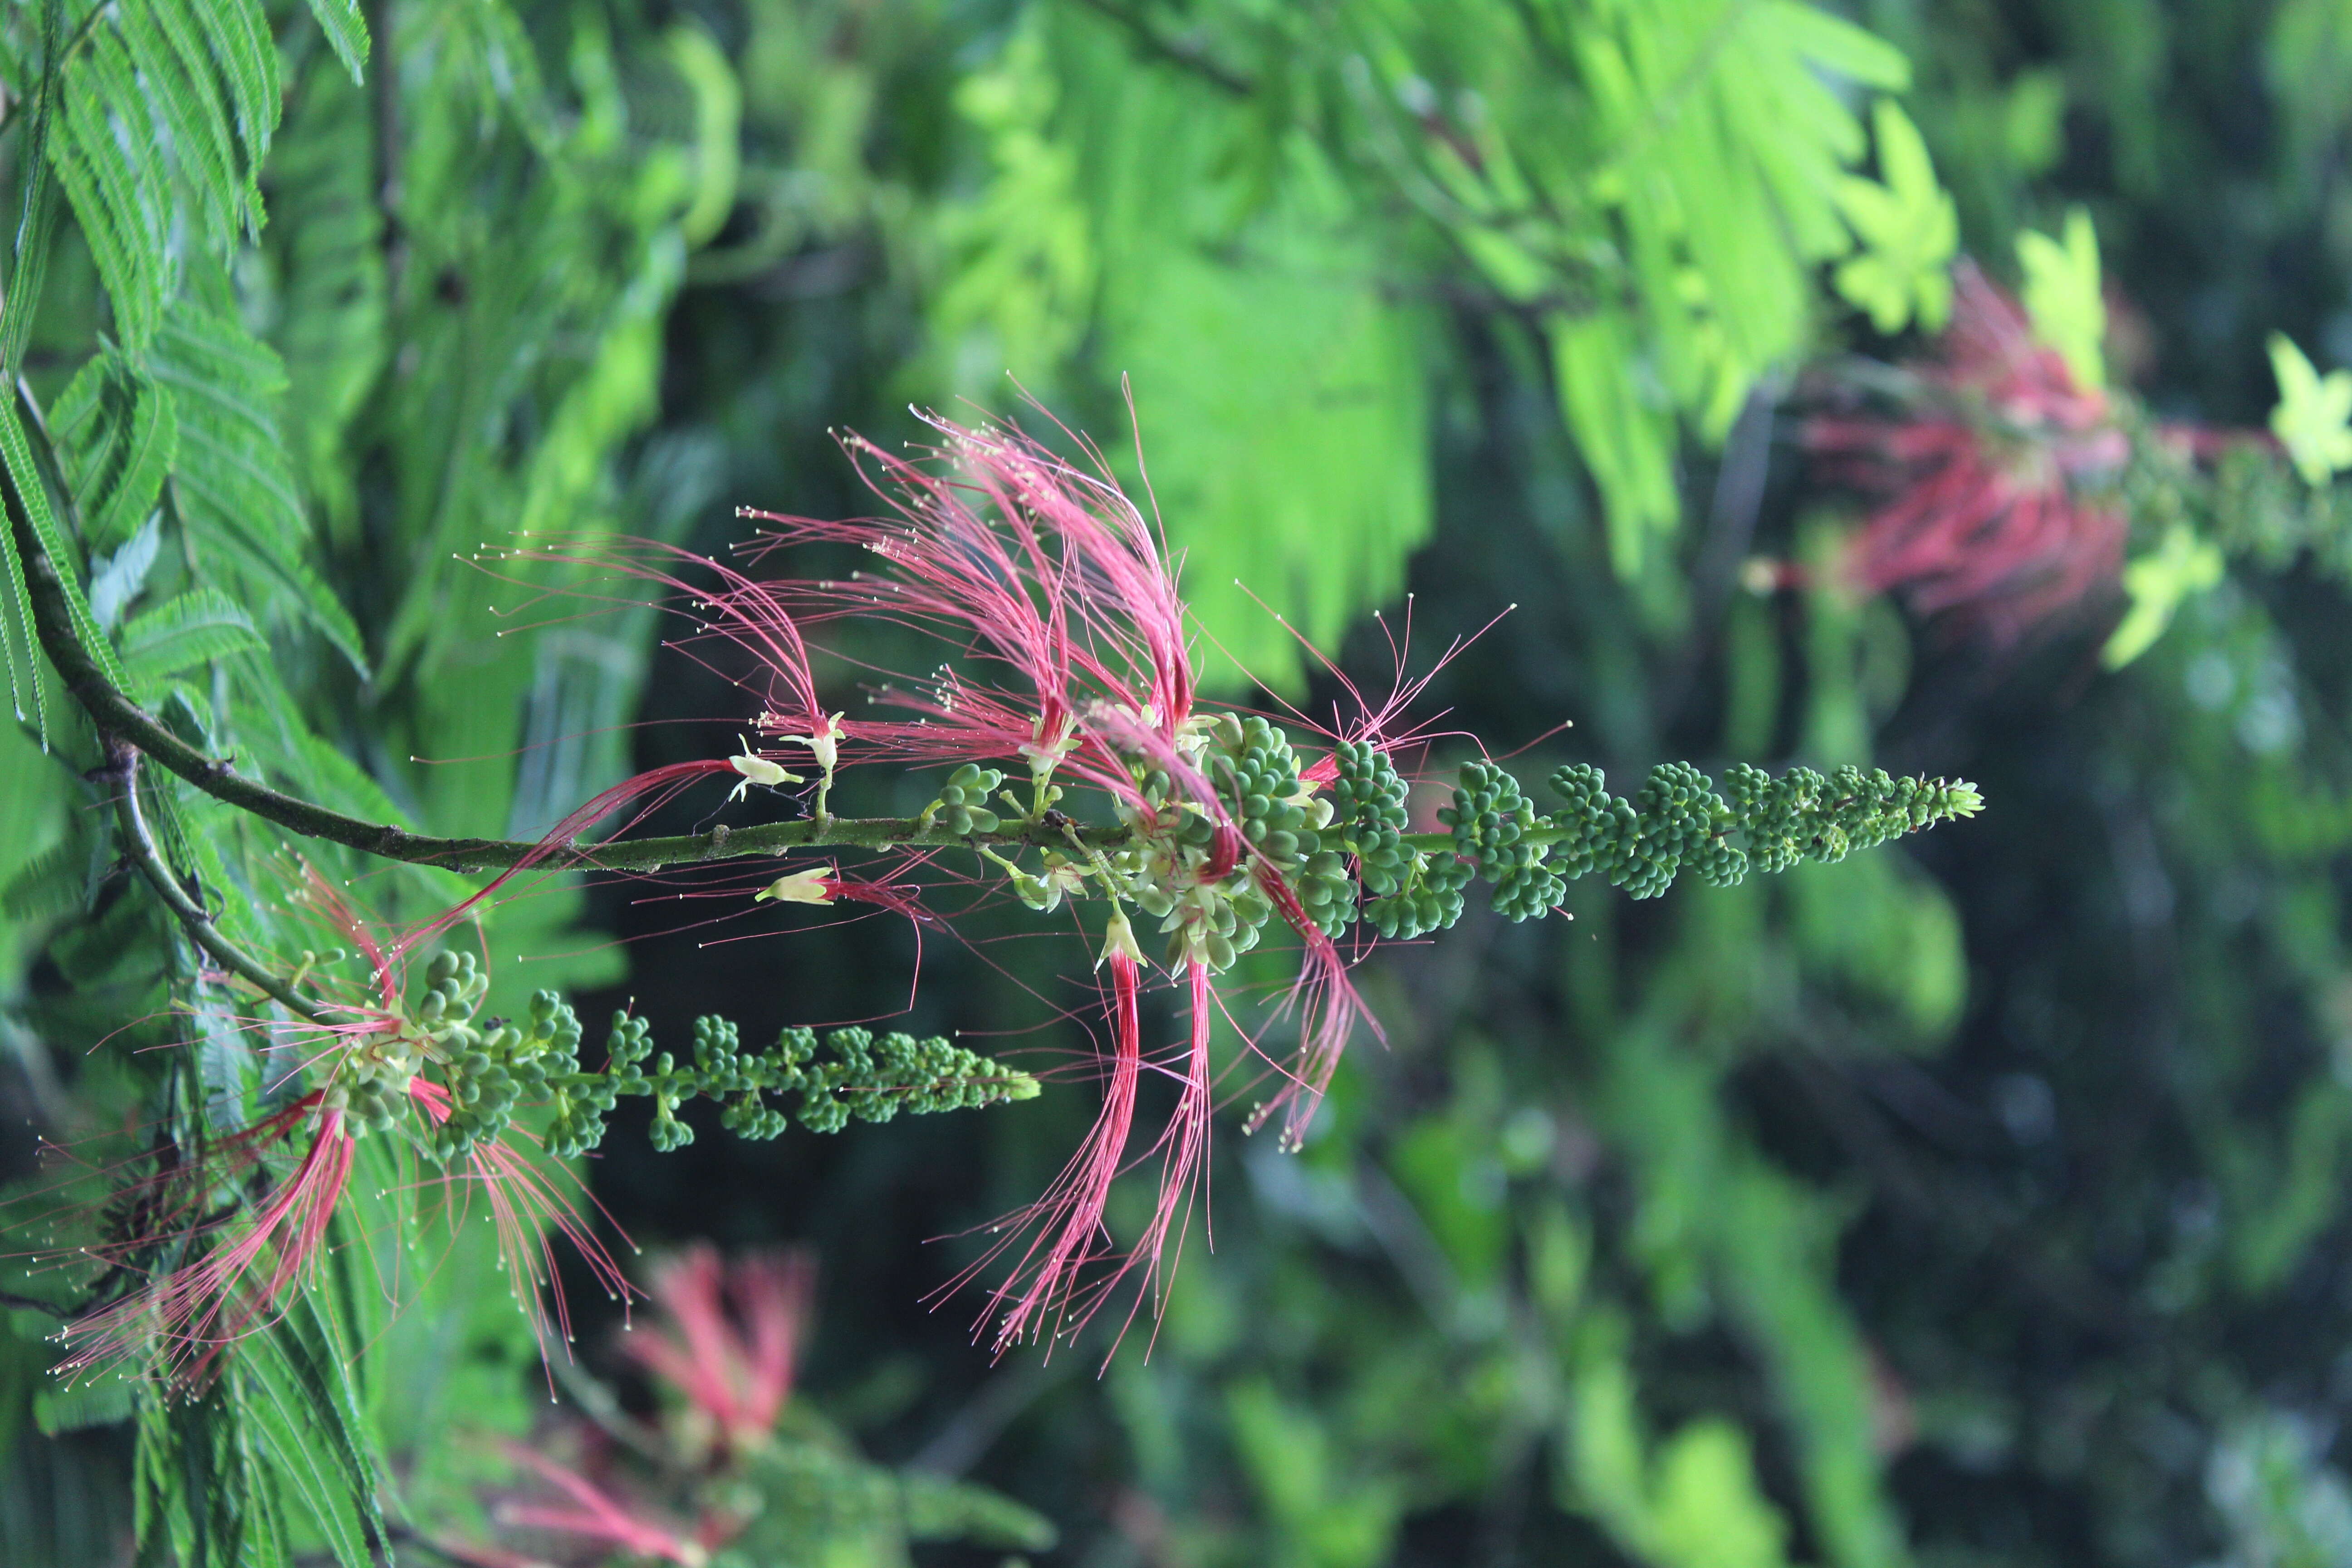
(589, 1512)
(1996, 481)
(731, 1335)
(246, 1262)
(1066, 1229)
(1066, 658)
(369, 1061)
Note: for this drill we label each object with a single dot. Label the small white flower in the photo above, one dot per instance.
(757, 770)
(1193, 735)
(1045, 753)
(824, 745)
(1118, 940)
(804, 887)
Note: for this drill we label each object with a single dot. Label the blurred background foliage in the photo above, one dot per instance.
(1978, 1203)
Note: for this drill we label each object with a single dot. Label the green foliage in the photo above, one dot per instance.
(233, 487)
(2062, 295)
(2013, 1172)
(1666, 175)
(1908, 228)
(1658, 182)
(168, 110)
(198, 626)
(2312, 415)
(215, 386)
(825, 1504)
(118, 436)
(2157, 583)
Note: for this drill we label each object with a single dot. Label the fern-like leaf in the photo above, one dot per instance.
(117, 437)
(54, 882)
(327, 235)
(235, 491)
(118, 176)
(200, 625)
(346, 31)
(169, 106)
(301, 1405)
(33, 496)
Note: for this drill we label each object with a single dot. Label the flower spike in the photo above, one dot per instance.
(1064, 655)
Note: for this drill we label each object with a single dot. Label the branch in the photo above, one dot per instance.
(35, 1304)
(120, 720)
(1189, 57)
(123, 766)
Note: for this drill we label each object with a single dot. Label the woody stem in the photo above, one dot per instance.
(141, 844)
(120, 720)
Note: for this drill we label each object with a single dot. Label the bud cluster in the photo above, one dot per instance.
(493, 1068)
(1676, 819)
(962, 806)
(1803, 816)
(1210, 896)
(861, 1076)
(1413, 891)
(371, 1076)
(1490, 819)
(501, 1067)
(1347, 854)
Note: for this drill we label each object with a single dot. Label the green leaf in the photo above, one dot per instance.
(195, 1484)
(1626, 439)
(2311, 418)
(2160, 581)
(327, 234)
(717, 129)
(117, 438)
(1908, 229)
(115, 580)
(2062, 296)
(24, 476)
(235, 487)
(1279, 389)
(29, 258)
(210, 78)
(98, 1401)
(296, 1395)
(199, 625)
(1285, 425)
(169, 108)
(347, 33)
(117, 175)
(51, 883)
(938, 1509)
(1706, 1508)
(227, 1067)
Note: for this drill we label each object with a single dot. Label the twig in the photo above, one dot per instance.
(1190, 57)
(124, 768)
(123, 722)
(596, 1401)
(119, 719)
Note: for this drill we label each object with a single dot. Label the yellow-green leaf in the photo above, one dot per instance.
(2062, 295)
(2313, 410)
(1907, 229)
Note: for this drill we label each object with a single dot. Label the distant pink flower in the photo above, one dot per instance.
(1996, 485)
(731, 1335)
(589, 1512)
